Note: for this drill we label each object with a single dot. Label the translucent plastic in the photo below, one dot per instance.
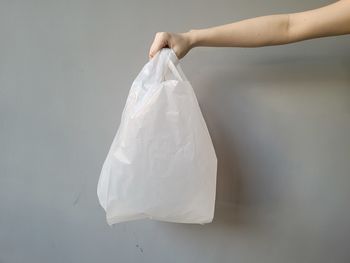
(162, 164)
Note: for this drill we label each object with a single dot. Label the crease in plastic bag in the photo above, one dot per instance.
(161, 164)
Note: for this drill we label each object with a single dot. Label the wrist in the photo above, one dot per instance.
(192, 38)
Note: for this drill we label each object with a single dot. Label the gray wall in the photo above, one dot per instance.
(279, 118)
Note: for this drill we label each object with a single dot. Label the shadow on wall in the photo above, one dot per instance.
(255, 113)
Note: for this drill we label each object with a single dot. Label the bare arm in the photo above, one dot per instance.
(330, 20)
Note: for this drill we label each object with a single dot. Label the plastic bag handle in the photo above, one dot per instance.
(172, 64)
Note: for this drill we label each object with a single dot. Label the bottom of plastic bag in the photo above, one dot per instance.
(114, 220)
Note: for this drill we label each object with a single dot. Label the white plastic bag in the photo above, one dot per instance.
(162, 164)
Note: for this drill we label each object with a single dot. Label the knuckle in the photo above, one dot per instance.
(163, 34)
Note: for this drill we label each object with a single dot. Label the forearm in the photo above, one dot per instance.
(254, 32)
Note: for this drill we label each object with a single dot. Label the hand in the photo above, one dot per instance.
(181, 43)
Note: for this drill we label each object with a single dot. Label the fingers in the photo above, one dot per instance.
(160, 41)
